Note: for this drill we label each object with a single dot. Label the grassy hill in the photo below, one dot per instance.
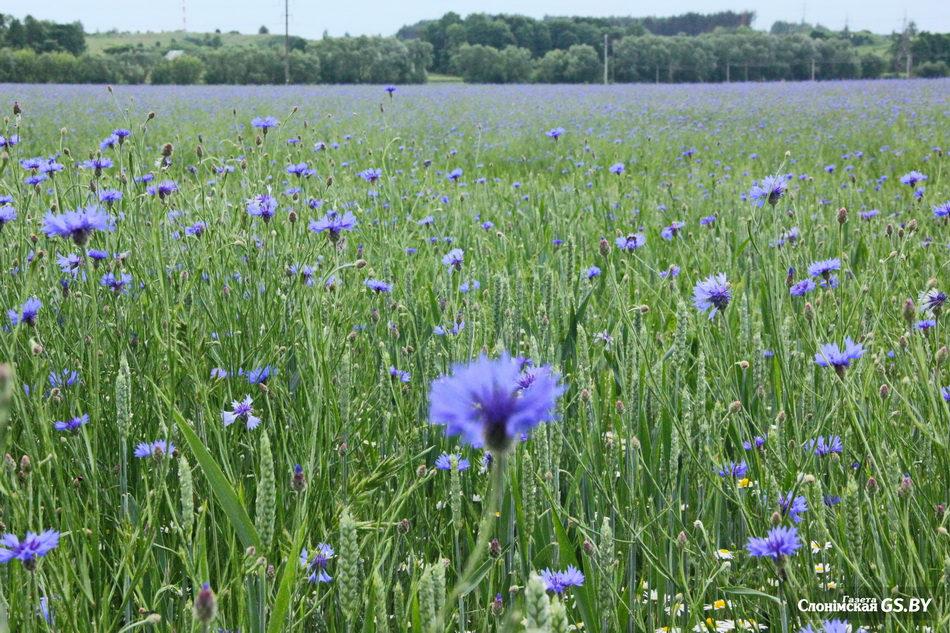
(100, 42)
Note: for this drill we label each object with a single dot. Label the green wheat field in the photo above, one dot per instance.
(232, 318)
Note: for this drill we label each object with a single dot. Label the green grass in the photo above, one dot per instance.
(99, 42)
(623, 486)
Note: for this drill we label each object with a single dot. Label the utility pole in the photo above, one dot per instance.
(728, 65)
(287, 41)
(605, 59)
(184, 21)
(813, 70)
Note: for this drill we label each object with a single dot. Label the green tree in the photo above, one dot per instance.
(515, 65)
(478, 64)
(183, 70)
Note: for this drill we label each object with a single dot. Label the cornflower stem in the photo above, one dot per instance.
(465, 582)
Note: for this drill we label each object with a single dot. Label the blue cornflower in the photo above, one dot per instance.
(822, 448)
(378, 285)
(792, 507)
(757, 442)
(925, 324)
(780, 541)
(390, 90)
(713, 292)
(668, 233)
(97, 165)
(824, 267)
(116, 284)
(491, 401)
(488, 225)
(455, 174)
(73, 424)
(912, 178)
(241, 411)
(833, 626)
(163, 189)
(867, 215)
(155, 449)
(829, 355)
(444, 462)
(196, 229)
(7, 215)
(555, 133)
(402, 376)
(631, 242)
(317, 567)
(770, 189)
(942, 210)
(27, 313)
(592, 272)
(121, 134)
(706, 221)
(263, 206)
(334, 224)
(672, 271)
(260, 375)
(945, 393)
(468, 286)
(109, 142)
(69, 263)
(77, 225)
(454, 259)
(219, 372)
(298, 169)
(558, 581)
(932, 300)
(370, 175)
(831, 500)
(63, 379)
(732, 469)
(109, 196)
(803, 286)
(265, 123)
(617, 168)
(9, 142)
(31, 547)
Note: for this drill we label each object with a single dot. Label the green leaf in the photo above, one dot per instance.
(744, 591)
(282, 603)
(222, 490)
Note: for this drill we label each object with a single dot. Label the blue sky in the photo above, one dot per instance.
(309, 18)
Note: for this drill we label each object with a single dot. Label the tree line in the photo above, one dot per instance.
(742, 55)
(485, 48)
(450, 32)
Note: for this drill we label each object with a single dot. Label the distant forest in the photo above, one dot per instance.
(482, 48)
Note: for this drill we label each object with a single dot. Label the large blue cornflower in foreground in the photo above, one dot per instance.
(770, 189)
(27, 550)
(712, 292)
(558, 581)
(780, 541)
(829, 355)
(77, 225)
(491, 402)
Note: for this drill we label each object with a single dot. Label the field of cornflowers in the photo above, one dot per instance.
(631, 358)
